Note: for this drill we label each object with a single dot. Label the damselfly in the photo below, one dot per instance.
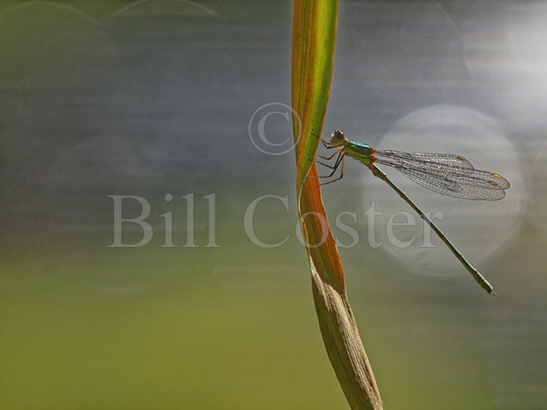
(446, 174)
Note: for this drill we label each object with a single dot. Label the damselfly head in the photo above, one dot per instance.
(338, 138)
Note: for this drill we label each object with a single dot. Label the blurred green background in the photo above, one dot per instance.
(156, 99)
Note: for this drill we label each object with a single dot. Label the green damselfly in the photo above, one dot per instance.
(447, 174)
